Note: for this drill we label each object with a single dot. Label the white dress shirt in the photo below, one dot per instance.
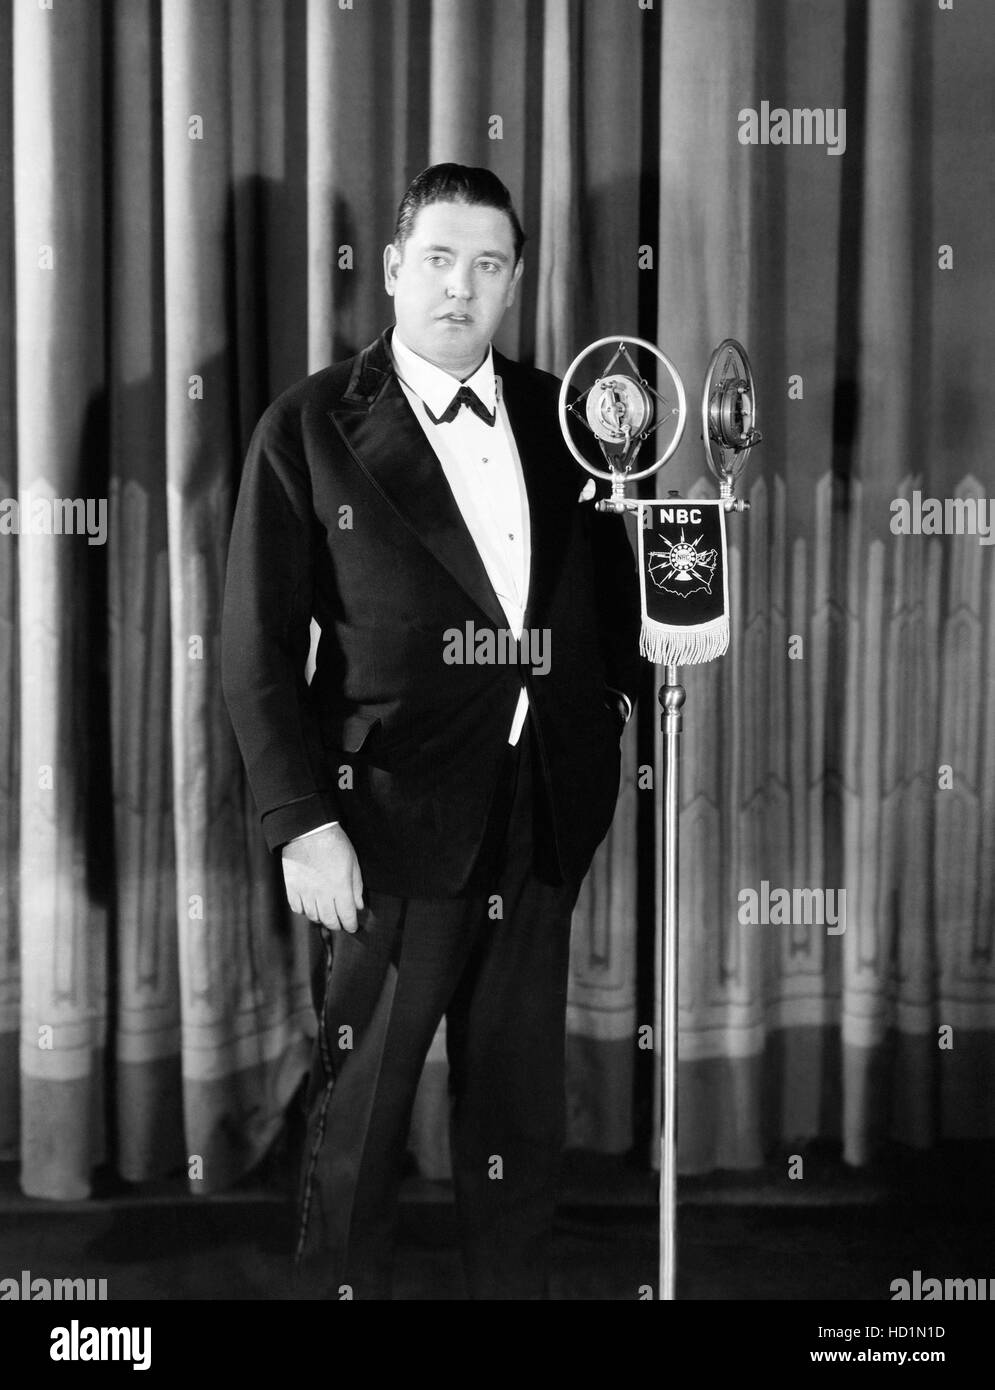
(484, 473)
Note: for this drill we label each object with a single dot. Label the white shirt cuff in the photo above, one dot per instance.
(327, 826)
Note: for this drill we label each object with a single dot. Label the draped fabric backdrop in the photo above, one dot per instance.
(194, 196)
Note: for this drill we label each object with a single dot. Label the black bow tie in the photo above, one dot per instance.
(464, 396)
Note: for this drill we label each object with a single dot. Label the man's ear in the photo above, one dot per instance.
(516, 275)
(391, 261)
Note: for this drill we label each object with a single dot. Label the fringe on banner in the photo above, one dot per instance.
(674, 646)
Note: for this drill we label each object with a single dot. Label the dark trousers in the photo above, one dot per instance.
(494, 964)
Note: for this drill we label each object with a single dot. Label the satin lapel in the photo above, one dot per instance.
(538, 438)
(388, 443)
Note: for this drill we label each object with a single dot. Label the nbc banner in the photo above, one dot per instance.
(683, 581)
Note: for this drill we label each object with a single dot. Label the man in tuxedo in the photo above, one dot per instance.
(438, 789)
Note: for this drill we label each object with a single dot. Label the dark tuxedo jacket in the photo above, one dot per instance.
(344, 514)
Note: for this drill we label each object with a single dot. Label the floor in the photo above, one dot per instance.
(839, 1235)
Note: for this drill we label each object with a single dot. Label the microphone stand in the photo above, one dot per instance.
(671, 697)
(621, 411)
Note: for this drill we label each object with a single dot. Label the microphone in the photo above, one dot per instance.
(729, 417)
(621, 410)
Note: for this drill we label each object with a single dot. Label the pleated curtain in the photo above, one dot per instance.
(194, 199)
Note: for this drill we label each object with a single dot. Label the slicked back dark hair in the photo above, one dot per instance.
(456, 183)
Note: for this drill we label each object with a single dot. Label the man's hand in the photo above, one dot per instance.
(323, 879)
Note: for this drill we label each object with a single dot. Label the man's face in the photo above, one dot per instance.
(452, 282)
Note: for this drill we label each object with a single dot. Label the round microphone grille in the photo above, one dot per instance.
(618, 408)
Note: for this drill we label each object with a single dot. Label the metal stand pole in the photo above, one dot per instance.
(671, 697)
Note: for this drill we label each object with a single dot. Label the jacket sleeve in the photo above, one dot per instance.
(265, 634)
